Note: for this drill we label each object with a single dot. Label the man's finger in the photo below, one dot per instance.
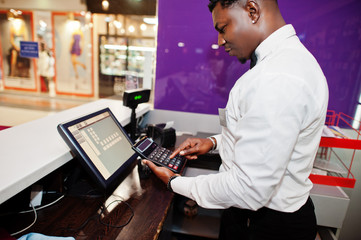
(191, 157)
(150, 164)
(161, 172)
(180, 149)
(189, 151)
(175, 153)
(156, 169)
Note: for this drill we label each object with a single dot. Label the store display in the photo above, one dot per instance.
(122, 63)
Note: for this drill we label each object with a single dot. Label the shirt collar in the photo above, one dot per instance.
(273, 41)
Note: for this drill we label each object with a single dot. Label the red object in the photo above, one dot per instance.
(43, 86)
(328, 143)
(3, 127)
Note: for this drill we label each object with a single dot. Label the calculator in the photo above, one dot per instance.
(150, 150)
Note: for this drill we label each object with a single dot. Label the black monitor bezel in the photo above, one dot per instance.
(113, 181)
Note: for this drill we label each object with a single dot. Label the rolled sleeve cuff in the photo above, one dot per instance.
(218, 138)
(181, 185)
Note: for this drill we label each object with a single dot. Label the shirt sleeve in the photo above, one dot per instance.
(264, 139)
(218, 138)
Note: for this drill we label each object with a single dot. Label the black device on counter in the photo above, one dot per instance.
(148, 149)
(131, 99)
(101, 145)
(164, 137)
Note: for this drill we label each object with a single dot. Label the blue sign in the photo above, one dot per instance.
(29, 49)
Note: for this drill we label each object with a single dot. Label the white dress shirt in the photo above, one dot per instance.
(274, 119)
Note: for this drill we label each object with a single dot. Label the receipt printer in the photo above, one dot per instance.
(164, 137)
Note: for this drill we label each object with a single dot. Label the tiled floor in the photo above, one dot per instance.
(40, 101)
(18, 108)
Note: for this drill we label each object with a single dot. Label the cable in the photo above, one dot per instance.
(82, 225)
(35, 214)
(103, 208)
(45, 206)
(116, 226)
(35, 218)
(31, 210)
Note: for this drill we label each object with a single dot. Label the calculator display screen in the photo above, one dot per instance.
(144, 145)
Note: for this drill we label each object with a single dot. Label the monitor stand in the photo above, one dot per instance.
(79, 184)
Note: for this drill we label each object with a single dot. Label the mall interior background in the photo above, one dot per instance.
(119, 49)
(107, 48)
(168, 46)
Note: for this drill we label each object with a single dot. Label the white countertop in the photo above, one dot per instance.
(30, 151)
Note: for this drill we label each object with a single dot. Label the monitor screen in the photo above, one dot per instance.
(101, 144)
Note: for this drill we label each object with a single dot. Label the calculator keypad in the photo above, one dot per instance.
(161, 155)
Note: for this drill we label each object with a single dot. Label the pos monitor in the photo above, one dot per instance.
(102, 146)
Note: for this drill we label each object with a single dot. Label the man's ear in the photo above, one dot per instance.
(253, 10)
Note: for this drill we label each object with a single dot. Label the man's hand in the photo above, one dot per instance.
(161, 172)
(192, 147)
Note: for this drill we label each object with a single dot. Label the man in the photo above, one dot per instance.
(271, 128)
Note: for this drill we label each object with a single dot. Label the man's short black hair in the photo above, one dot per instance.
(225, 3)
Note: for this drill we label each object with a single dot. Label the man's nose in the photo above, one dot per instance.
(221, 40)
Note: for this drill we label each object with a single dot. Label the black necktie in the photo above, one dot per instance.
(253, 60)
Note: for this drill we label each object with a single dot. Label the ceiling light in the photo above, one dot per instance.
(215, 46)
(117, 24)
(145, 49)
(131, 28)
(143, 27)
(150, 20)
(117, 47)
(16, 12)
(105, 5)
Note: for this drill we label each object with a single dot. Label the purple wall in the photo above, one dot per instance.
(193, 77)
